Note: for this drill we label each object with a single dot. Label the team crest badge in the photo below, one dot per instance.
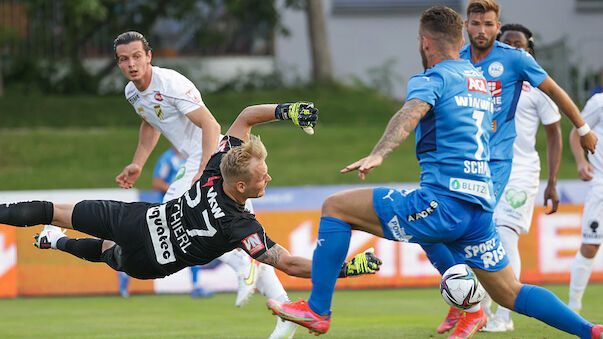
(496, 69)
(158, 96)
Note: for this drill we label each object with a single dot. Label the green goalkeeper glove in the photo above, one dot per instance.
(302, 114)
(363, 263)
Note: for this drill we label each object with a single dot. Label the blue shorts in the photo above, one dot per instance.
(422, 216)
(500, 171)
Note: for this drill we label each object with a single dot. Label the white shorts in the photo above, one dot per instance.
(516, 207)
(592, 218)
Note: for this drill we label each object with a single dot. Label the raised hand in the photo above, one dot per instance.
(363, 263)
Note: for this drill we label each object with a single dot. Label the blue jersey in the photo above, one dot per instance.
(167, 166)
(506, 68)
(452, 138)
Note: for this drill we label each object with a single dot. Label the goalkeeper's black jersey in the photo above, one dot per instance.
(204, 223)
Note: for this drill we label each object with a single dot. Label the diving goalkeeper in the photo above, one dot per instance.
(150, 241)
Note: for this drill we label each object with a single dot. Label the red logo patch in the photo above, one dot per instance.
(210, 181)
(158, 96)
(525, 87)
(193, 96)
(477, 85)
(495, 88)
(253, 244)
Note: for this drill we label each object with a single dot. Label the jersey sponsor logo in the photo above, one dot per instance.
(140, 109)
(477, 85)
(496, 69)
(158, 96)
(191, 94)
(213, 203)
(594, 233)
(398, 232)
(424, 213)
(210, 181)
(472, 187)
(133, 99)
(495, 88)
(477, 103)
(488, 251)
(160, 235)
(253, 244)
(159, 112)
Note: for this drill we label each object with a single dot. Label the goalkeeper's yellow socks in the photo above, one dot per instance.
(331, 249)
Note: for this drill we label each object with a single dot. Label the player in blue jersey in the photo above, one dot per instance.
(450, 109)
(505, 68)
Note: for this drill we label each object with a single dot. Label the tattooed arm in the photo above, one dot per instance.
(280, 258)
(398, 129)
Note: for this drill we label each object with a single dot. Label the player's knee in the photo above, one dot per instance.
(589, 250)
(332, 206)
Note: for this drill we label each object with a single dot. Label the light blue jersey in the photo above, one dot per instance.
(452, 138)
(505, 68)
(167, 166)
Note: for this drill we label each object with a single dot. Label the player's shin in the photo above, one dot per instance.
(331, 249)
(85, 248)
(540, 303)
(29, 213)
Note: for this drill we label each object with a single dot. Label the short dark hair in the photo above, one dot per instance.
(519, 28)
(483, 6)
(127, 37)
(443, 23)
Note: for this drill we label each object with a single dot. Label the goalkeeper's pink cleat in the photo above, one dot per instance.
(597, 332)
(453, 317)
(300, 313)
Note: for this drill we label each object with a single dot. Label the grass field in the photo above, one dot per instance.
(54, 142)
(396, 313)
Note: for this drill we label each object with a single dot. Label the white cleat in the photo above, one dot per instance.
(247, 283)
(48, 237)
(283, 330)
(498, 324)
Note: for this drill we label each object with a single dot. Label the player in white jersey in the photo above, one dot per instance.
(592, 235)
(513, 213)
(170, 104)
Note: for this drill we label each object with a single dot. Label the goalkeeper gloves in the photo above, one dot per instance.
(302, 114)
(363, 263)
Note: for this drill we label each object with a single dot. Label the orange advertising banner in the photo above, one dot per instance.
(8, 262)
(51, 272)
(547, 251)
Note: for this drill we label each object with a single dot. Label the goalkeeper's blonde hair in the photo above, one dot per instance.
(235, 164)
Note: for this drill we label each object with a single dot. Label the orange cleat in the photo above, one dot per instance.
(453, 317)
(469, 324)
(300, 313)
(597, 332)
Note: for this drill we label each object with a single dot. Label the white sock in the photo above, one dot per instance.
(510, 241)
(580, 273)
(269, 285)
(238, 260)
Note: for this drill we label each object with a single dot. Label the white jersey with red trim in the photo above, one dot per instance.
(593, 115)
(165, 104)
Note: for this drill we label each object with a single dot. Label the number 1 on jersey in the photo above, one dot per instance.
(479, 118)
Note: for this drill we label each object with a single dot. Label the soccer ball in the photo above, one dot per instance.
(460, 288)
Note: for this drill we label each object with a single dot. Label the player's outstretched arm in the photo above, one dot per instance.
(398, 129)
(302, 114)
(588, 139)
(277, 256)
(147, 140)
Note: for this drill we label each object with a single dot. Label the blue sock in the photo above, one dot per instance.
(542, 304)
(331, 249)
(440, 256)
(194, 271)
(123, 280)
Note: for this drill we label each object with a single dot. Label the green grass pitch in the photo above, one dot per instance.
(391, 313)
